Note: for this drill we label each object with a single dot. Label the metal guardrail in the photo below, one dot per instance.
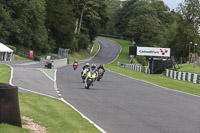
(135, 67)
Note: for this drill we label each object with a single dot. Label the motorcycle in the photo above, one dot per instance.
(75, 66)
(84, 74)
(90, 78)
(100, 74)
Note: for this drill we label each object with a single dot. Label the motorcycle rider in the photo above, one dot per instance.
(94, 70)
(93, 67)
(75, 64)
(101, 67)
(87, 65)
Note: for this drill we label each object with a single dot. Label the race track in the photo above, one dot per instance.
(119, 104)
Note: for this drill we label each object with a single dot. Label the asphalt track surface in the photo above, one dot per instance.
(119, 104)
(30, 79)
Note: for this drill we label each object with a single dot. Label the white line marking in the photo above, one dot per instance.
(118, 54)
(62, 99)
(99, 128)
(47, 74)
(82, 61)
(37, 93)
(156, 85)
(29, 63)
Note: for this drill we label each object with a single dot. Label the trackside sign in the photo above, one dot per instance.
(151, 51)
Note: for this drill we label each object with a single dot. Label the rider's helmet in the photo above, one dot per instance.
(101, 66)
(87, 65)
(75, 61)
(93, 66)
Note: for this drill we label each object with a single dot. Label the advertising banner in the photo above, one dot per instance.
(151, 51)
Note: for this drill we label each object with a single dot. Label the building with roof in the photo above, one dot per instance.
(6, 54)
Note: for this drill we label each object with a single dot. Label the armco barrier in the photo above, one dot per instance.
(59, 62)
(135, 67)
(190, 77)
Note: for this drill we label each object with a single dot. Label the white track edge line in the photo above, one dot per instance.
(118, 54)
(61, 99)
(47, 74)
(157, 85)
(83, 61)
(98, 127)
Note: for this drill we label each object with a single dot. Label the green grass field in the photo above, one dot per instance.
(17, 57)
(4, 73)
(189, 68)
(53, 114)
(158, 79)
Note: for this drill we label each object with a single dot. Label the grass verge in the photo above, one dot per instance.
(4, 73)
(49, 72)
(17, 57)
(158, 79)
(53, 114)
(189, 68)
(83, 54)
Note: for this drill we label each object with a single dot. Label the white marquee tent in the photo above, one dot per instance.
(6, 54)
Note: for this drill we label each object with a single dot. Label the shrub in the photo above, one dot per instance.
(83, 41)
(12, 47)
(142, 60)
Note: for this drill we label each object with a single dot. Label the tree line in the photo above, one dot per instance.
(47, 25)
(152, 23)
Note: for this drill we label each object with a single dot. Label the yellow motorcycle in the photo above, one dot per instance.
(100, 74)
(90, 78)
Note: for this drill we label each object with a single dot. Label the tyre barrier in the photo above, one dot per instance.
(190, 77)
(9, 105)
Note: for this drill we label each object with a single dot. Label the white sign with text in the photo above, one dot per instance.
(151, 51)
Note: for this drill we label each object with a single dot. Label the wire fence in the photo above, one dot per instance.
(194, 60)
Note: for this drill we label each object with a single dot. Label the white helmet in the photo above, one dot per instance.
(93, 66)
(87, 64)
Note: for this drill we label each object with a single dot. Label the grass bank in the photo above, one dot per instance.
(158, 79)
(17, 57)
(189, 68)
(83, 54)
(4, 73)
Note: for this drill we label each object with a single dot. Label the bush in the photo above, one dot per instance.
(11, 47)
(83, 41)
(142, 60)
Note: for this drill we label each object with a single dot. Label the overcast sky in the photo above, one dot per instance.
(172, 4)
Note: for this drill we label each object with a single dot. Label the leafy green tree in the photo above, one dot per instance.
(124, 15)
(90, 16)
(112, 7)
(60, 23)
(145, 31)
(36, 23)
(187, 27)
(5, 23)
(163, 13)
(26, 24)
